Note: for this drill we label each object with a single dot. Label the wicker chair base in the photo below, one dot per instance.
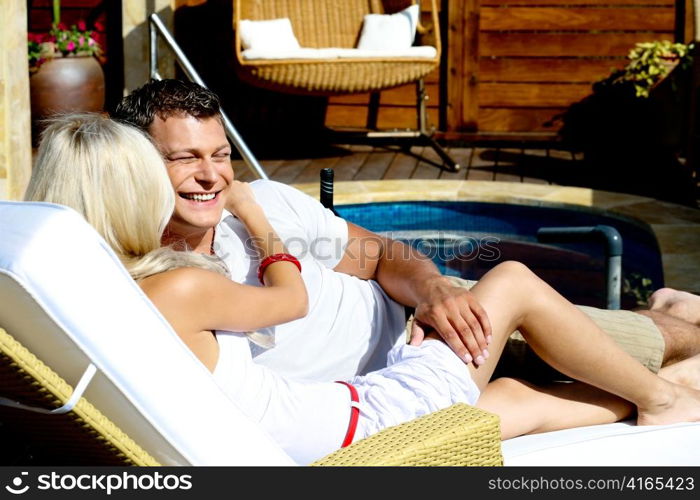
(460, 435)
(335, 78)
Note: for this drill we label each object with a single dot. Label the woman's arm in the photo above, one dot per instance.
(197, 298)
(197, 302)
(241, 202)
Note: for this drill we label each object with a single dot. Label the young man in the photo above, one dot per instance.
(358, 282)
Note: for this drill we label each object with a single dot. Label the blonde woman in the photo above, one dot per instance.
(113, 175)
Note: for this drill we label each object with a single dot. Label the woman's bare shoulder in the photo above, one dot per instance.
(183, 282)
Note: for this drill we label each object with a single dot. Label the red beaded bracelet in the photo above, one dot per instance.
(278, 257)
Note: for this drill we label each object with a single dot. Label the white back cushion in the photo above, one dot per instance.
(389, 31)
(67, 298)
(269, 34)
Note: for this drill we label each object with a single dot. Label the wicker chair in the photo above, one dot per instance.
(338, 23)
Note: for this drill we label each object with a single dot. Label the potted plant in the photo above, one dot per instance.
(65, 75)
(649, 63)
(632, 127)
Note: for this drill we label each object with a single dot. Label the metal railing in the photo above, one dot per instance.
(157, 28)
(611, 240)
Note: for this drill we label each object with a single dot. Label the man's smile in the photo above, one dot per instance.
(199, 197)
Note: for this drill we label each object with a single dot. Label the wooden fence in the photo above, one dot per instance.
(510, 66)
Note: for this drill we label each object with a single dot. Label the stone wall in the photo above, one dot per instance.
(136, 49)
(15, 131)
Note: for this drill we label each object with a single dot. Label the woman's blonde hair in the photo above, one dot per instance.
(113, 175)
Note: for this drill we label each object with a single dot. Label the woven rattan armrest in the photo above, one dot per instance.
(460, 435)
(81, 436)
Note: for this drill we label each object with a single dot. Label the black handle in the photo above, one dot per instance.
(327, 189)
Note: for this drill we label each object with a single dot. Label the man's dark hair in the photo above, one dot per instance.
(166, 98)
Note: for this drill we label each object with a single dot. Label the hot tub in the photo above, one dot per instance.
(466, 238)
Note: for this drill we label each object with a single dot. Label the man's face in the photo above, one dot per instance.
(197, 157)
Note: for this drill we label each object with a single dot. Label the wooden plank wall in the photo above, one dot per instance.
(512, 65)
(397, 106)
(538, 56)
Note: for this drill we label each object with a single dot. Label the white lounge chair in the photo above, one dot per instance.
(71, 317)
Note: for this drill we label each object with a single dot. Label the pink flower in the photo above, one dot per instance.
(70, 46)
(62, 26)
(81, 40)
(91, 42)
(99, 26)
(81, 25)
(34, 37)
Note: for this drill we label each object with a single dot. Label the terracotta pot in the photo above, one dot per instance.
(63, 85)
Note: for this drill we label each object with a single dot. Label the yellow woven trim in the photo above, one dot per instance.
(48, 379)
(460, 435)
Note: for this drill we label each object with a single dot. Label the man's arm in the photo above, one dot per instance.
(411, 278)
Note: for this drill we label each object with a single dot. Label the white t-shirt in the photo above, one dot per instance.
(351, 325)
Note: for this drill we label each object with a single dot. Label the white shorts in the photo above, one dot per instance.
(417, 380)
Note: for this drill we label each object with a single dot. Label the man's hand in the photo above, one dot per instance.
(412, 279)
(457, 316)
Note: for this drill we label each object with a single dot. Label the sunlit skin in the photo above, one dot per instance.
(198, 159)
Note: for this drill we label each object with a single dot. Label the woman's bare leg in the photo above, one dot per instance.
(686, 372)
(564, 337)
(526, 408)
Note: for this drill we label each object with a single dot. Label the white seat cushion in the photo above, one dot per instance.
(421, 52)
(621, 443)
(68, 299)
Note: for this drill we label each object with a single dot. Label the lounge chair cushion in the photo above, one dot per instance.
(389, 31)
(621, 443)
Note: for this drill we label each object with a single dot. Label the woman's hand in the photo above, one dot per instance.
(241, 199)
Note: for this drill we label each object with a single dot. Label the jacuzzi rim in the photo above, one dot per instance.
(527, 203)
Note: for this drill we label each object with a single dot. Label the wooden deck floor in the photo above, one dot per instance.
(357, 162)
